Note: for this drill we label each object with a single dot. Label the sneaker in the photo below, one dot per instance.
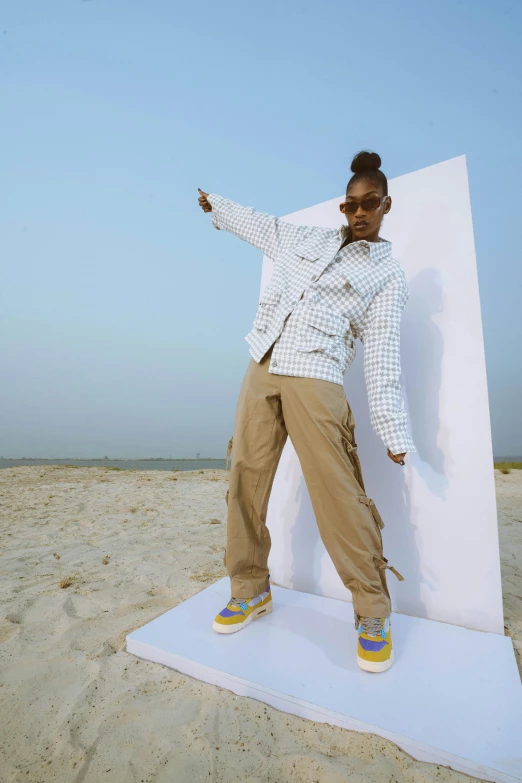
(241, 611)
(374, 643)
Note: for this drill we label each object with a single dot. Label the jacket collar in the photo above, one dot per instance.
(326, 241)
(361, 267)
(378, 251)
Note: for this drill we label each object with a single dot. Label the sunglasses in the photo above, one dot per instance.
(369, 204)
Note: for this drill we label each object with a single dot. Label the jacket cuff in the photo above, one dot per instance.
(400, 443)
(218, 204)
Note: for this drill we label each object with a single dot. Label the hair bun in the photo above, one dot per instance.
(365, 161)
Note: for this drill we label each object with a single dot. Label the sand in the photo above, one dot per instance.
(76, 708)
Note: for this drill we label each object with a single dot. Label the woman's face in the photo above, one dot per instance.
(365, 224)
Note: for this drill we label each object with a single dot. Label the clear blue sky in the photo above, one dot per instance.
(123, 310)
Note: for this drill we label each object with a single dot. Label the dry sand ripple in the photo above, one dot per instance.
(76, 708)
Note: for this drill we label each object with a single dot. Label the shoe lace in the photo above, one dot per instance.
(241, 602)
(373, 626)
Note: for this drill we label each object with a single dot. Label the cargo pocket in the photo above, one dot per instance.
(351, 452)
(379, 524)
(323, 331)
(267, 308)
(380, 561)
(373, 508)
(225, 552)
(350, 445)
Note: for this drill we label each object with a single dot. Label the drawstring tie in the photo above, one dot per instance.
(382, 563)
(373, 508)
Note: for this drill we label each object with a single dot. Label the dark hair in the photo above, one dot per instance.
(366, 165)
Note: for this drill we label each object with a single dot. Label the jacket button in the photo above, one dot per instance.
(274, 363)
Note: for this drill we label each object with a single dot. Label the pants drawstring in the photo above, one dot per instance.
(382, 563)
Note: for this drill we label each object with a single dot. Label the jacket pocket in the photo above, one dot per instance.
(349, 344)
(323, 331)
(328, 323)
(267, 306)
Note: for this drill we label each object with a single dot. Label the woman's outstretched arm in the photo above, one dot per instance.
(266, 232)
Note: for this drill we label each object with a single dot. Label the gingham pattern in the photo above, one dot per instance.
(319, 300)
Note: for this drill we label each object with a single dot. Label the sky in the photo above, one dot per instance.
(122, 310)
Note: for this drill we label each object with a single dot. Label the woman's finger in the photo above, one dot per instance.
(398, 458)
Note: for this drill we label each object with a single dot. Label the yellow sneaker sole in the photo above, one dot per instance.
(375, 666)
(261, 611)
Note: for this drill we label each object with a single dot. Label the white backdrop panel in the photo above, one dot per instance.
(440, 511)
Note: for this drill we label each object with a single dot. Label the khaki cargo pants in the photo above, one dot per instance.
(317, 417)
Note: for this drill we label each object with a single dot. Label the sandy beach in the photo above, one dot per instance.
(77, 708)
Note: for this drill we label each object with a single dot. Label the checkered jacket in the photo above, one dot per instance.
(319, 300)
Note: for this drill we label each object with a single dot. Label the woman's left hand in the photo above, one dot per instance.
(399, 458)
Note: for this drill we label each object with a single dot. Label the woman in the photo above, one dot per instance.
(328, 287)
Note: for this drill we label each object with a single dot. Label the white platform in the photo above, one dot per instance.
(453, 696)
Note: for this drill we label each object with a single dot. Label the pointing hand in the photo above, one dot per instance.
(203, 203)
